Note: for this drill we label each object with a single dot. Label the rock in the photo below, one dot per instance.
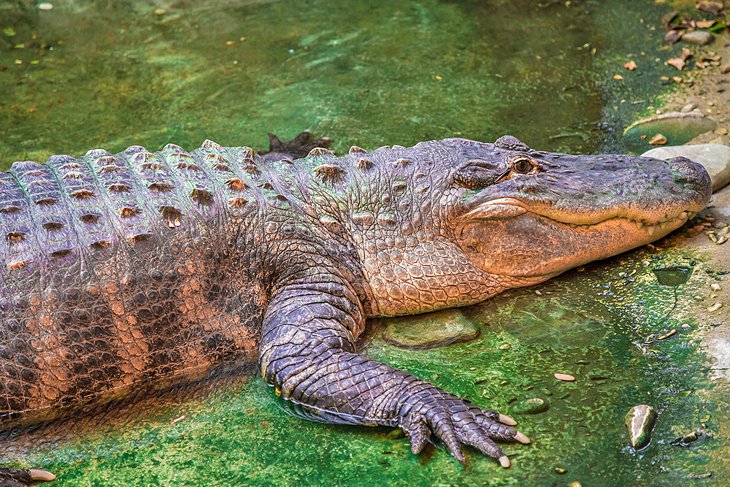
(714, 157)
(658, 139)
(700, 37)
(688, 107)
(431, 330)
(640, 421)
(725, 69)
(677, 127)
(533, 405)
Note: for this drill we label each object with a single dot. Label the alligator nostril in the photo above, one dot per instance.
(686, 171)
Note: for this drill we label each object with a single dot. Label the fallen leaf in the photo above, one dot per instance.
(672, 37)
(668, 18)
(686, 54)
(705, 24)
(677, 79)
(631, 65)
(677, 62)
(617, 77)
(564, 377)
(710, 7)
(658, 139)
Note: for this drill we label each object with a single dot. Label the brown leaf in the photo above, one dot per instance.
(710, 7)
(668, 18)
(705, 24)
(686, 54)
(631, 65)
(676, 62)
(672, 37)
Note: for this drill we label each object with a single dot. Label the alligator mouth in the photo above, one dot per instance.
(505, 208)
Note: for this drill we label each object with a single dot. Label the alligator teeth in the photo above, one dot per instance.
(640, 224)
(684, 215)
(652, 229)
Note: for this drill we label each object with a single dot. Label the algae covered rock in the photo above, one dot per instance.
(533, 405)
(430, 330)
(640, 422)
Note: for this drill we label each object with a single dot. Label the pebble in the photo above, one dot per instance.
(700, 37)
(564, 377)
(575, 483)
(714, 157)
(686, 326)
(533, 405)
(725, 69)
(714, 307)
(45, 6)
(430, 331)
(688, 107)
(715, 286)
(658, 139)
(640, 421)
(160, 11)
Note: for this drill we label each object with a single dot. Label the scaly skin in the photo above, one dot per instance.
(125, 274)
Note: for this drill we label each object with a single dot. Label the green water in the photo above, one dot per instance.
(112, 74)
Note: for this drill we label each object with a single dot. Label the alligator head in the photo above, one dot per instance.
(530, 215)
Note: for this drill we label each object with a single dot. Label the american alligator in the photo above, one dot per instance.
(126, 273)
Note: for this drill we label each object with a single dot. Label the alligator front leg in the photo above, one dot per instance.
(308, 355)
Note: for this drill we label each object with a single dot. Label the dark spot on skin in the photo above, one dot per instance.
(53, 226)
(90, 218)
(60, 253)
(128, 211)
(160, 187)
(46, 201)
(82, 194)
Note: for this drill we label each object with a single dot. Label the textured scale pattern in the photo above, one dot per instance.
(125, 274)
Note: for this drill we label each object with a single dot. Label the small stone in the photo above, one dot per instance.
(432, 330)
(640, 421)
(575, 483)
(688, 107)
(564, 377)
(560, 470)
(505, 346)
(725, 69)
(714, 307)
(533, 405)
(160, 11)
(700, 37)
(715, 286)
(714, 157)
(45, 6)
(686, 326)
(658, 139)
(722, 131)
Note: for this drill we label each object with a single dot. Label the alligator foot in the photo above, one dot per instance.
(431, 411)
(19, 477)
(296, 148)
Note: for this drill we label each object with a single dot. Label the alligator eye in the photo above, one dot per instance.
(522, 165)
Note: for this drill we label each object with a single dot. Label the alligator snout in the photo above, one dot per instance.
(688, 172)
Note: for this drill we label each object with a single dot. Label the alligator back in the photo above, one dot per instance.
(116, 275)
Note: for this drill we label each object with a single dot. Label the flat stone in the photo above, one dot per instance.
(533, 405)
(688, 107)
(430, 330)
(640, 421)
(714, 157)
(700, 37)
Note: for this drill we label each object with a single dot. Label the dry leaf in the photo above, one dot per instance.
(676, 62)
(705, 24)
(631, 65)
(710, 7)
(617, 77)
(672, 37)
(686, 54)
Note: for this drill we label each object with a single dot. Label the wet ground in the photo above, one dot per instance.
(90, 74)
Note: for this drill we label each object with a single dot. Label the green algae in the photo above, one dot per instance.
(113, 74)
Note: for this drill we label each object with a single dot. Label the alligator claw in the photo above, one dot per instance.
(456, 422)
(296, 148)
(19, 477)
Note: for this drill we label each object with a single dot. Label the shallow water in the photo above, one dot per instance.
(113, 74)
